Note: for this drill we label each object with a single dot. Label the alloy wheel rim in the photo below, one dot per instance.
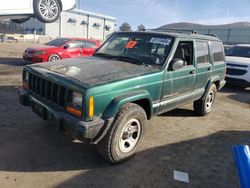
(54, 58)
(129, 136)
(210, 100)
(49, 9)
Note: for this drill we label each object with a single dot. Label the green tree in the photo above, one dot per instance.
(125, 27)
(141, 27)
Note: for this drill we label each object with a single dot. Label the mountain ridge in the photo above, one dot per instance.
(203, 26)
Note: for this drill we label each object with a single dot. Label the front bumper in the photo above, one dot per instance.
(237, 82)
(90, 132)
(33, 59)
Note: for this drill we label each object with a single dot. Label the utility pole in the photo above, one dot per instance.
(79, 4)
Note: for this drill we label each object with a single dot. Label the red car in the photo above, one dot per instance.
(61, 48)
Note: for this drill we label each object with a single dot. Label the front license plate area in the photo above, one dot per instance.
(39, 110)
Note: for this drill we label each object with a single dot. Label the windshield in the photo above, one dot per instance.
(239, 51)
(57, 42)
(141, 48)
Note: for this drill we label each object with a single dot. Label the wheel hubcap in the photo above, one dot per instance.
(210, 100)
(49, 9)
(130, 135)
(54, 58)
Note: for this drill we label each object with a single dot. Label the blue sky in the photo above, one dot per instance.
(154, 13)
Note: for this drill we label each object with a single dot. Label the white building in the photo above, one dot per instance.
(74, 23)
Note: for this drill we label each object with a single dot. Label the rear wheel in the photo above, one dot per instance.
(54, 57)
(124, 135)
(205, 105)
(47, 11)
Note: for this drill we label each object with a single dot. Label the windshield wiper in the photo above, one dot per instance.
(103, 55)
(129, 59)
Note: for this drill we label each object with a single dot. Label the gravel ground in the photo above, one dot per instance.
(32, 154)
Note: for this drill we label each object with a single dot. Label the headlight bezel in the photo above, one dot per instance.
(25, 76)
(77, 99)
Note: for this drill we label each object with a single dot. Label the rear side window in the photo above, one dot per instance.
(89, 44)
(202, 52)
(217, 51)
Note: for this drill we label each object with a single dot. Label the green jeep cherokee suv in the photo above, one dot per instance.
(107, 99)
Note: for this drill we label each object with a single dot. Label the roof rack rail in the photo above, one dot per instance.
(175, 30)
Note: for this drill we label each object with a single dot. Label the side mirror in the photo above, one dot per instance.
(66, 47)
(176, 64)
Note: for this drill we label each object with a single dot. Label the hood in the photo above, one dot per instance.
(95, 70)
(40, 48)
(238, 60)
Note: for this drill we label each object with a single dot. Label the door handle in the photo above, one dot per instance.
(192, 72)
(209, 68)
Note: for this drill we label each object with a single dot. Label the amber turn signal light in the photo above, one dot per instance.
(74, 111)
(91, 106)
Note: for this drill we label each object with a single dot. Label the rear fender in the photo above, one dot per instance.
(213, 80)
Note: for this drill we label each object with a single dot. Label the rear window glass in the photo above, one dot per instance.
(202, 52)
(217, 51)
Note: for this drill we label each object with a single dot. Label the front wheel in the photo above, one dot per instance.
(205, 105)
(54, 57)
(124, 135)
(47, 11)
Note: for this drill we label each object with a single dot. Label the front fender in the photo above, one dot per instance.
(115, 105)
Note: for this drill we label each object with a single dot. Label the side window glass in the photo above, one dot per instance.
(75, 44)
(217, 51)
(184, 51)
(89, 44)
(202, 52)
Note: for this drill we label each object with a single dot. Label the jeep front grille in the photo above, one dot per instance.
(48, 90)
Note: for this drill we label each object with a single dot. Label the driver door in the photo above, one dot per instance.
(74, 49)
(179, 84)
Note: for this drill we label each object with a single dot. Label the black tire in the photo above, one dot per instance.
(204, 105)
(21, 20)
(41, 15)
(111, 146)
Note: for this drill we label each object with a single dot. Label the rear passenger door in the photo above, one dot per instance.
(203, 64)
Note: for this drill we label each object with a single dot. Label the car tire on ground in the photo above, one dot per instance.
(122, 140)
(19, 21)
(204, 105)
(45, 14)
(54, 57)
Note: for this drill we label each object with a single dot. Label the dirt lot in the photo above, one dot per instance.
(35, 155)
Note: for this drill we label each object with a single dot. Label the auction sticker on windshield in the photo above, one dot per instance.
(131, 44)
(164, 41)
